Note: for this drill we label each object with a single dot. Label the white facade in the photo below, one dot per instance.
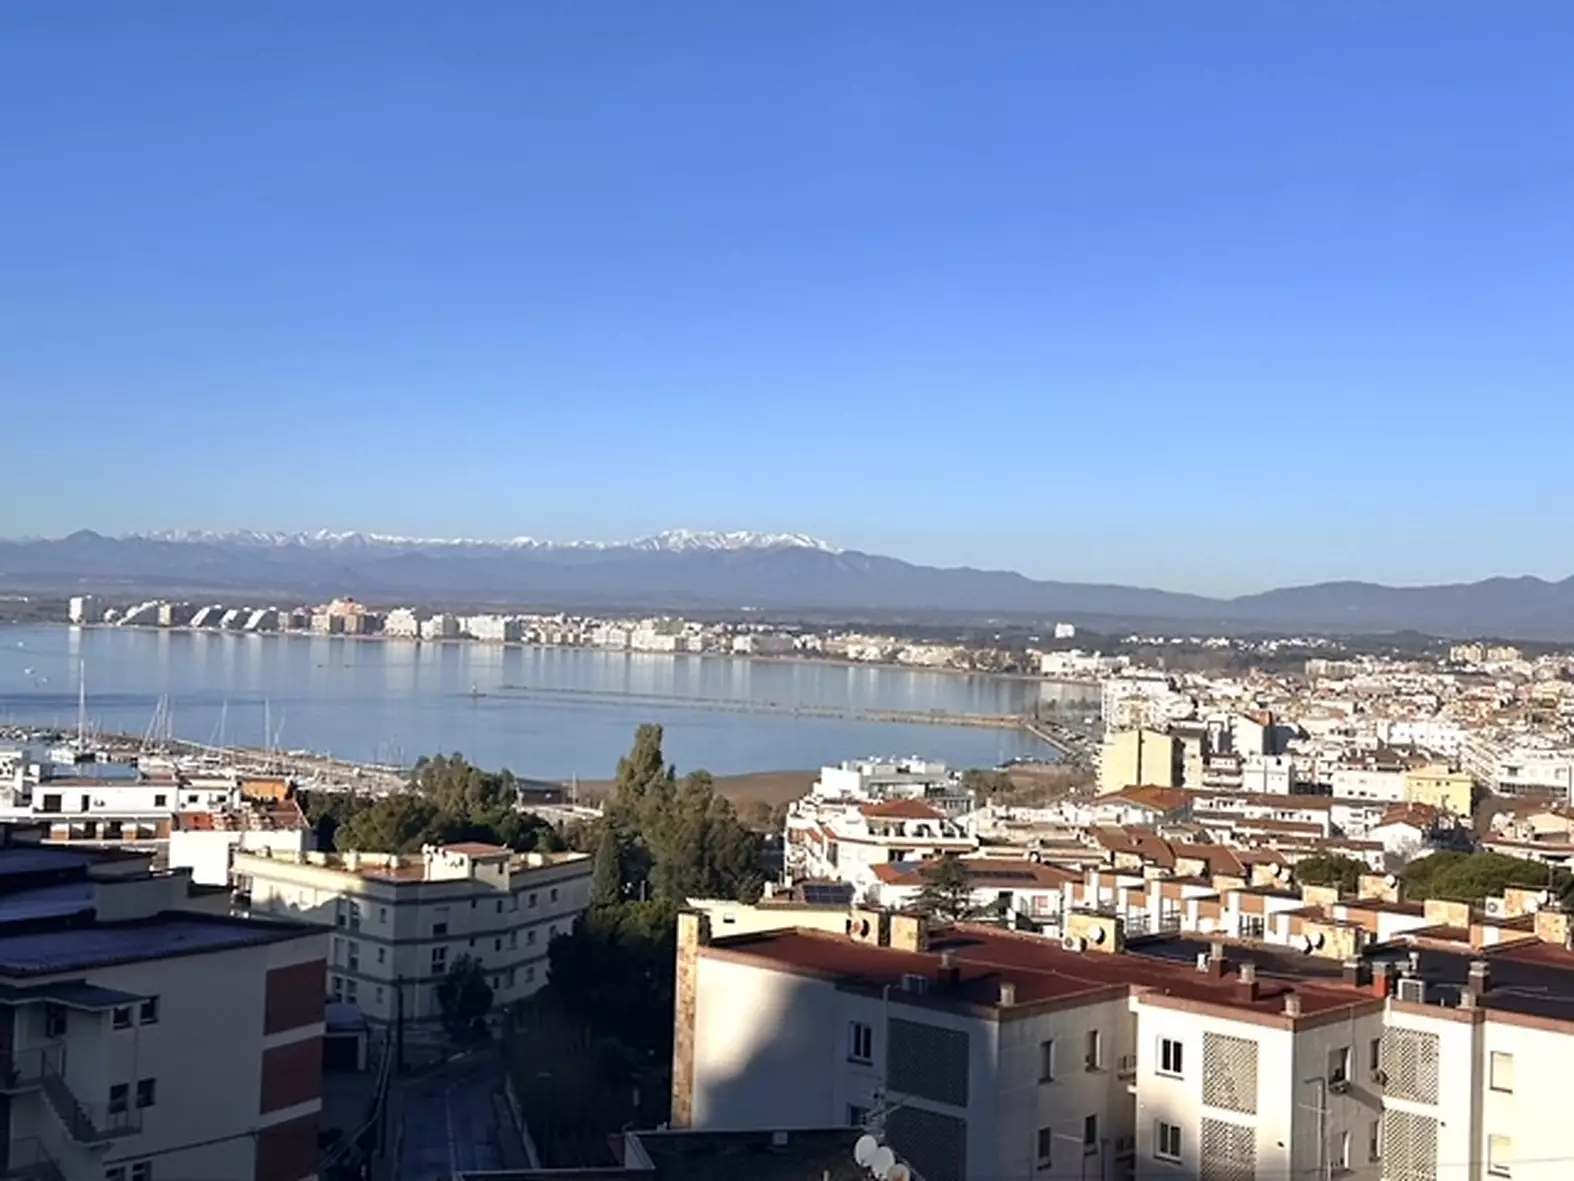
(85, 609)
(441, 626)
(402, 622)
(409, 918)
(1368, 783)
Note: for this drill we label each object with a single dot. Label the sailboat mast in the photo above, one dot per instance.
(82, 706)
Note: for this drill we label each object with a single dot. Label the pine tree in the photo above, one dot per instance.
(606, 881)
(947, 895)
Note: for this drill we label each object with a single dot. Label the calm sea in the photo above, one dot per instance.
(391, 700)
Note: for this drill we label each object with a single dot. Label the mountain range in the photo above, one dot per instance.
(768, 571)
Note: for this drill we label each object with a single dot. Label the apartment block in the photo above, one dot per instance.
(146, 1039)
(400, 920)
(1433, 1053)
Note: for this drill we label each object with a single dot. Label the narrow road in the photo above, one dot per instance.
(454, 1119)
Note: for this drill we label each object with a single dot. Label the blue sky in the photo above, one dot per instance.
(1208, 296)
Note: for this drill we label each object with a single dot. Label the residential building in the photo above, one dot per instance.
(846, 842)
(1146, 758)
(1441, 786)
(1065, 631)
(146, 1039)
(400, 920)
(441, 626)
(206, 842)
(403, 623)
(85, 609)
(495, 629)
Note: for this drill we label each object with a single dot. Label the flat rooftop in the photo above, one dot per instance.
(163, 936)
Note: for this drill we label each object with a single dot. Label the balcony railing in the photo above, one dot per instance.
(87, 1123)
(1126, 1066)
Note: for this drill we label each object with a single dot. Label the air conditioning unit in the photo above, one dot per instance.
(1412, 990)
(1073, 942)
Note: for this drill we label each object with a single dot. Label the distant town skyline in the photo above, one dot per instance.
(1211, 297)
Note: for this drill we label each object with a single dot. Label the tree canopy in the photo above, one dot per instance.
(1330, 869)
(1470, 877)
(947, 893)
(464, 998)
(447, 800)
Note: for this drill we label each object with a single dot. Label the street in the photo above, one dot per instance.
(452, 1118)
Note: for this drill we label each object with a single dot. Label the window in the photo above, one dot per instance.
(1046, 1147)
(147, 1092)
(122, 1017)
(497, 944)
(1502, 1077)
(355, 915)
(439, 960)
(513, 902)
(115, 1173)
(856, 1116)
(1167, 1141)
(860, 1046)
(1341, 1152)
(530, 938)
(1171, 1057)
(530, 974)
(508, 978)
(472, 904)
(142, 1170)
(551, 931)
(440, 921)
(1500, 1152)
(1090, 1133)
(382, 914)
(54, 1020)
(336, 983)
(354, 960)
(1375, 1055)
(161, 800)
(1374, 1140)
(553, 896)
(119, 1094)
(533, 900)
(382, 955)
(51, 804)
(351, 987)
(377, 995)
(499, 906)
(149, 1011)
(1046, 1061)
(1339, 1064)
(513, 939)
(1095, 1051)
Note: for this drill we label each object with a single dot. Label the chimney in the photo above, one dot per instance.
(1292, 1004)
(1380, 979)
(1008, 993)
(949, 975)
(1351, 972)
(1480, 978)
(1216, 959)
(1246, 988)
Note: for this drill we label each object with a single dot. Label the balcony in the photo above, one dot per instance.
(87, 1123)
(1126, 1067)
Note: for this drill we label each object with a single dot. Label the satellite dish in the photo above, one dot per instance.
(864, 1150)
(882, 1162)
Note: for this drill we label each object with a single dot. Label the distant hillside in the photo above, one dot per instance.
(737, 570)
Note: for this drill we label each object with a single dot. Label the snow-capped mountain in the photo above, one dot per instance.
(669, 541)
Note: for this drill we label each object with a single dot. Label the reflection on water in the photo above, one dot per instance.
(392, 700)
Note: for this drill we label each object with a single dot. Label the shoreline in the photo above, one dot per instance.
(1091, 687)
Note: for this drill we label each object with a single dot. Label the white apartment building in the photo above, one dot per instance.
(1361, 782)
(85, 609)
(985, 1054)
(1510, 767)
(400, 920)
(1434, 734)
(845, 843)
(206, 842)
(495, 629)
(763, 644)
(402, 622)
(147, 1040)
(441, 626)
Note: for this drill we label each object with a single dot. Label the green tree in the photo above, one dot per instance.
(1330, 869)
(606, 881)
(947, 893)
(1470, 877)
(397, 823)
(465, 998)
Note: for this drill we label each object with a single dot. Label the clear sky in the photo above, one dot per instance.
(1201, 295)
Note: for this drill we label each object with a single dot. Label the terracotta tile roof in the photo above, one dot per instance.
(1039, 969)
(901, 810)
(1156, 799)
(1004, 872)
